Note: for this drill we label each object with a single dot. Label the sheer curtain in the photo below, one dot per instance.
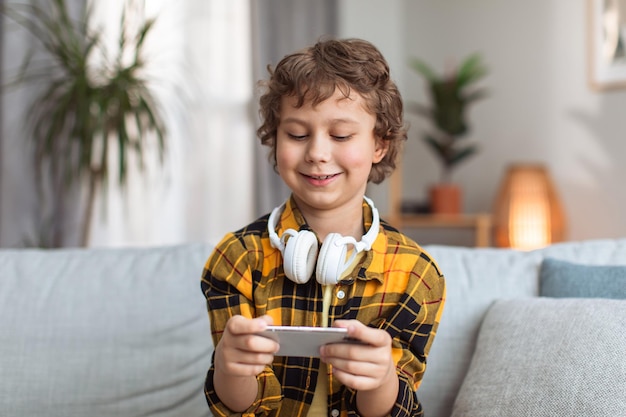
(205, 58)
(281, 27)
(200, 65)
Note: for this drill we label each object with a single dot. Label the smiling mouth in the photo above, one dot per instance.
(322, 177)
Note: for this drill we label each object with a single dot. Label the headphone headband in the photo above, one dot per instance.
(368, 238)
(299, 249)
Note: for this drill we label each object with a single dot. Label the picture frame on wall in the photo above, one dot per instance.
(607, 44)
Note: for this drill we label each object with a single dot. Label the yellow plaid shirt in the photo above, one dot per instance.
(395, 286)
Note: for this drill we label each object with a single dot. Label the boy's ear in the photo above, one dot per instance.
(382, 146)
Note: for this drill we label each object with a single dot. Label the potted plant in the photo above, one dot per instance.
(88, 102)
(450, 96)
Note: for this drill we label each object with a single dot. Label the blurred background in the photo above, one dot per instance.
(544, 105)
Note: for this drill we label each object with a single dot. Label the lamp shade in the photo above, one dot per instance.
(527, 210)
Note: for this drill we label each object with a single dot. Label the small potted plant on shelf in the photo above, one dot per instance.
(450, 96)
(91, 105)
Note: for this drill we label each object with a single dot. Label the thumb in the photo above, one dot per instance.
(267, 319)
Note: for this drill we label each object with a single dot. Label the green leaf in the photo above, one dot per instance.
(461, 154)
(450, 97)
(439, 148)
(424, 69)
(82, 106)
(471, 70)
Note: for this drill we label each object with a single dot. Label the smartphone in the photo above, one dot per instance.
(304, 340)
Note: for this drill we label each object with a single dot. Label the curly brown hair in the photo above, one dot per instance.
(315, 73)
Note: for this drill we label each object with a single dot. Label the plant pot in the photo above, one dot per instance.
(445, 199)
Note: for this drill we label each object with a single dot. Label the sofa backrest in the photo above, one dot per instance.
(124, 332)
(475, 278)
(103, 332)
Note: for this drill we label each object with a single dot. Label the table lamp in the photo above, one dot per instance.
(527, 210)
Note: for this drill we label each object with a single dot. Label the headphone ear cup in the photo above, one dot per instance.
(299, 256)
(331, 260)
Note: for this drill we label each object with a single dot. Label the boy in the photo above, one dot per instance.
(333, 120)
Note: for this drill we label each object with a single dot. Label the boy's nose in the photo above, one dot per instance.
(319, 148)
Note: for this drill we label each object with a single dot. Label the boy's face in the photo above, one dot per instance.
(325, 153)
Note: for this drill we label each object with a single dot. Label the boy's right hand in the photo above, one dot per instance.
(241, 352)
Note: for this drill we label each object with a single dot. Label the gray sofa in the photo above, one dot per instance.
(124, 332)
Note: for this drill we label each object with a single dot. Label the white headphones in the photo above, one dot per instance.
(299, 250)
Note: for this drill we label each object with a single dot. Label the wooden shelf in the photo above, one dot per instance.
(481, 223)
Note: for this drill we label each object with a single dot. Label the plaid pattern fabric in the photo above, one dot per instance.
(396, 286)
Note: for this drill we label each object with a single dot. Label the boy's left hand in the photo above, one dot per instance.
(364, 366)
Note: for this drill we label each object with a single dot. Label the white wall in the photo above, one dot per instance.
(382, 26)
(540, 108)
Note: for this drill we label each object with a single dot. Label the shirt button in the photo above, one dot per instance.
(334, 412)
(341, 294)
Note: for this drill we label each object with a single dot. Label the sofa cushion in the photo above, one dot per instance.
(103, 332)
(475, 278)
(547, 357)
(559, 278)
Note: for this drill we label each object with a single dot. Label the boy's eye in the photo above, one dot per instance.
(341, 137)
(296, 137)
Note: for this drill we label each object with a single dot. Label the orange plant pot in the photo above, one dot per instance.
(446, 199)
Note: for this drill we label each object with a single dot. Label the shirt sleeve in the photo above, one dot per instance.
(412, 324)
(227, 284)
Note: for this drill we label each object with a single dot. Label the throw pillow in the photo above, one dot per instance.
(545, 357)
(559, 278)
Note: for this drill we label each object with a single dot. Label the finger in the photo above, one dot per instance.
(361, 374)
(365, 334)
(241, 335)
(350, 350)
(259, 344)
(268, 319)
(355, 381)
(357, 368)
(247, 357)
(244, 364)
(244, 355)
(240, 325)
